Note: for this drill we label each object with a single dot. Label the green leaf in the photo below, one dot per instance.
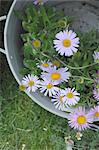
(30, 63)
(30, 27)
(24, 71)
(27, 50)
(25, 37)
(32, 11)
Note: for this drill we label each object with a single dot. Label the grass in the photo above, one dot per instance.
(26, 126)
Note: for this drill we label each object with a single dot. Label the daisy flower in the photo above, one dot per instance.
(71, 96)
(56, 63)
(22, 88)
(48, 87)
(96, 89)
(45, 65)
(96, 57)
(58, 100)
(31, 83)
(79, 119)
(40, 2)
(56, 75)
(66, 43)
(36, 43)
(95, 113)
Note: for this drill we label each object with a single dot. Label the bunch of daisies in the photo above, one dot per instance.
(53, 80)
(52, 76)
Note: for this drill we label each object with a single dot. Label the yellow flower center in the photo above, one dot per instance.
(22, 88)
(66, 43)
(55, 76)
(45, 65)
(49, 86)
(61, 99)
(81, 80)
(56, 63)
(81, 119)
(70, 95)
(97, 86)
(36, 43)
(31, 83)
(97, 114)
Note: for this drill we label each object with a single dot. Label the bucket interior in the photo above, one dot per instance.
(86, 18)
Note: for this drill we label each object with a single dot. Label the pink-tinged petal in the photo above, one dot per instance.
(59, 35)
(75, 45)
(70, 33)
(57, 41)
(73, 35)
(74, 49)
(36, 2)
(28, 89)
(76, 40)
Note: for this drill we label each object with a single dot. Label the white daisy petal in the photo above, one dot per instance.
(74, 49)
(57, 41)
(59, 35)
(48, 87)
(73, 35)
(70, 33)
(75, 45)
(96, 56)
(76, 40)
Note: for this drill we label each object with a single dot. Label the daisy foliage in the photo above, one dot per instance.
(60, 63)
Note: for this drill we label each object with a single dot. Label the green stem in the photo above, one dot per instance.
(71, 67)
(83, 78)
(46, 55)
(75, 68)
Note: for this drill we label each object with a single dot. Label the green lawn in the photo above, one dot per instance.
(26, 126)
